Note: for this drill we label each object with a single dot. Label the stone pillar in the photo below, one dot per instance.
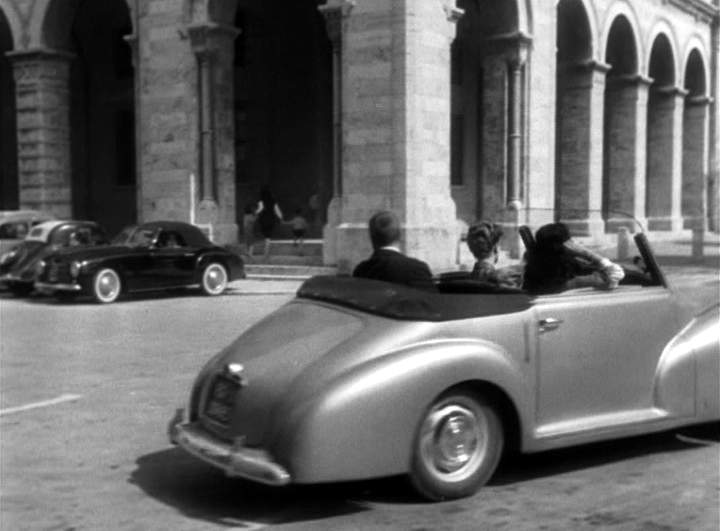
(335, 13)
(695, 162)
(213, 47)
(625, 151)
(396, 128)
(43, 123)
(664, 158)
(580, 138)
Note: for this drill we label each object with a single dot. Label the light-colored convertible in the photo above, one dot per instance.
(359, 379)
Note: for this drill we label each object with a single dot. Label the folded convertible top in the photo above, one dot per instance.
(455, 300)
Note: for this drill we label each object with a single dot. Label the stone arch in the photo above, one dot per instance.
(621, 17)
(580, 80)
(696, 189)
(695, 52)
(283, 106)
(624, 122)
(663, 145)
(9, 193)
(490, 41)
(13, 23)
(663, 32)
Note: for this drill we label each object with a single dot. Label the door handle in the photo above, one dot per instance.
(549, 323)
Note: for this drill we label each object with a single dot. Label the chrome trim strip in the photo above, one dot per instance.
(57, 287)
(235, 460)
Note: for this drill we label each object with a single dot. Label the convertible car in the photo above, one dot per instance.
(357, 379)
(18, 267)
(16, 224)
(151, 256)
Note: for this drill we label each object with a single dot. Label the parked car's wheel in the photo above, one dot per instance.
(214, 279)
(106, 286)
(20, 290)
(457, 446)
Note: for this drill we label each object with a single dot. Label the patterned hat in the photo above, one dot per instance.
(483, 237)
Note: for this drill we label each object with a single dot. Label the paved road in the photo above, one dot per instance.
(98, 458)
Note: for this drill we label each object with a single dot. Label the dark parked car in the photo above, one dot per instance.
(152, 256)
(357, 379)
(18, 267)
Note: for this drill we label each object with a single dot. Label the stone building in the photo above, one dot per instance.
(441, 110)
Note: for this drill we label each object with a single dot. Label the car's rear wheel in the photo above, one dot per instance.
(214, 279)
(457, 446)
(106, 286)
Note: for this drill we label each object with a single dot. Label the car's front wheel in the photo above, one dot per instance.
(214, 279)
(457, 446)
(106, 286)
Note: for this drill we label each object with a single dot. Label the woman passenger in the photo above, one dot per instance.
(483, 238)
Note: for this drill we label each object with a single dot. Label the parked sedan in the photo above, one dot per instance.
(16, 224)
(19, 266)
(357, 379)
(152, 256)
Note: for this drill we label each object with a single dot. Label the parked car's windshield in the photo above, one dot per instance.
(135, 237)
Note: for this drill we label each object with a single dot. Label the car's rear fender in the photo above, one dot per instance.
(363, 424)
(205, 258)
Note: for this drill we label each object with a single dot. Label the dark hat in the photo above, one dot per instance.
(552, 235)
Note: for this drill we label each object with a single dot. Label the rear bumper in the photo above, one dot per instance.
(234, 459)
(48, 286)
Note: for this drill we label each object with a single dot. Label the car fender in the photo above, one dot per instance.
(205, 257)
(687, 380)
(363, 423)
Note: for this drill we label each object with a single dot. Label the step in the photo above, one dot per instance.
(288, 248)
(288, 272)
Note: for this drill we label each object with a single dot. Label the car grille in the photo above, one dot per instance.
(221, 400)
(58, 271)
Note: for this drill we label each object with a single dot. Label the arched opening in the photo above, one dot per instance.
(9, 194)
(696, 190)
(485, 46)
(623, 107)
(283, 108)
(103, 115)
(663, 144)
(579, 86)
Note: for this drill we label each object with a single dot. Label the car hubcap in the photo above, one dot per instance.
(215, 279)
(453, 444)
(108, 285)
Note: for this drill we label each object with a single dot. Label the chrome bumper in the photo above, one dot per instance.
(47, 286)
(235, 459)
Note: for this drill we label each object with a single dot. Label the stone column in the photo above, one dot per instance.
(335, 13)
(396, 128)
(213, 47)
(42, 79)
(580, 138)
(695, 162)
(625, 151)
(664, 160)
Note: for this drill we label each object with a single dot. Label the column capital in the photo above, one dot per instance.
(514, 46)
(452, 12)
(670, 90)
(133, 43)
(592, 65)
(698, 101)
(628, 80)
(40, 54)
(335, 11)
(206, 38)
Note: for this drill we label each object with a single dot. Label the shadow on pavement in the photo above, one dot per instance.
(201, 492)
(517, 468)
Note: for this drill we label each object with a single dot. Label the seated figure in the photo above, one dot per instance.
(483, 238)
(557, 263)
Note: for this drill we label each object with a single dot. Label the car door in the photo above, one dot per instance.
(597, 355)
(173, 261)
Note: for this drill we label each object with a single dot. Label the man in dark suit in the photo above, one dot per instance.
(387, 262)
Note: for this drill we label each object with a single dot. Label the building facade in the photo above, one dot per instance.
(444, 111)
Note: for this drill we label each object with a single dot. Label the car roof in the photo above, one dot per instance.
(192, 235)
(46, 227)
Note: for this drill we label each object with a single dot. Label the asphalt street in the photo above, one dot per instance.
(87, 391)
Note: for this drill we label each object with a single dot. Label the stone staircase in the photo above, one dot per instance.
(285, 261)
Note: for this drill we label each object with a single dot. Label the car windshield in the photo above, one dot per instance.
(135, 237)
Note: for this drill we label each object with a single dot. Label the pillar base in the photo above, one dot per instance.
(612, 225)
(584, 227)
(669, 224)
(695, 222)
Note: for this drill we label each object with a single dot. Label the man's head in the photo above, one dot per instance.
(483, 238)
(384, 229)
